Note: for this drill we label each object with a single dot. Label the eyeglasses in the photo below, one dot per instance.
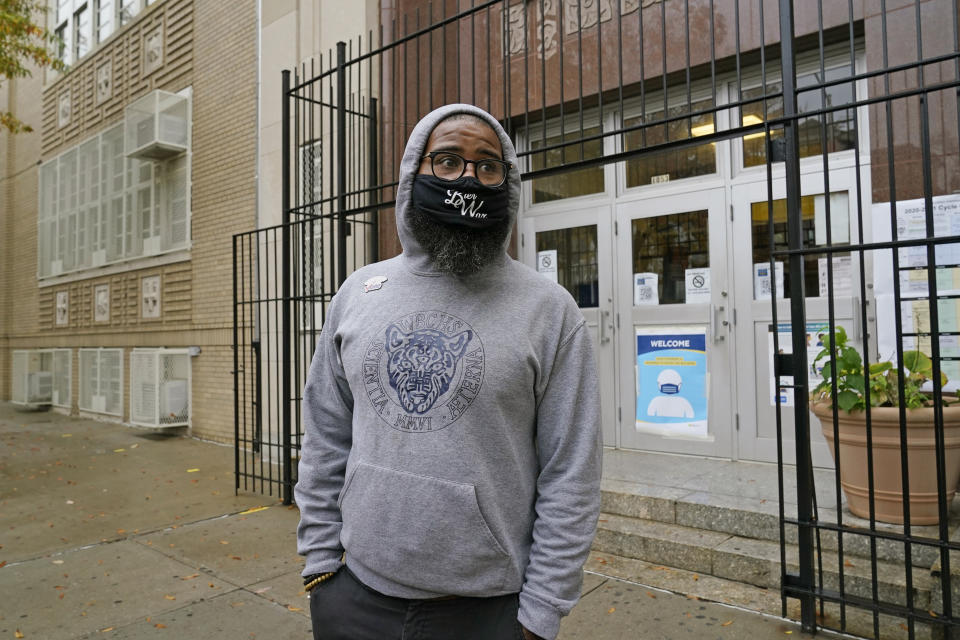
(450, 166)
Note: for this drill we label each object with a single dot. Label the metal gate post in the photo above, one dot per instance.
(286, 302)
(340, 163)
(798, 359)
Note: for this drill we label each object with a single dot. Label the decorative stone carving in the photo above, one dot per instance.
(153, 50)
(150, 297)
(101, 303)
(577, 15)
(63, 308)
(64, 109)
(104, 81)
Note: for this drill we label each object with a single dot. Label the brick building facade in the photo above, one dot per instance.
(104, 253)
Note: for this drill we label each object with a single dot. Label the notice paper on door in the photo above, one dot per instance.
(672, 381)
(645, 289)
(698, 285)
(762, 284)
(547, 264)
(816, 334)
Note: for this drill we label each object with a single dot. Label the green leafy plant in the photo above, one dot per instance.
(882, 378)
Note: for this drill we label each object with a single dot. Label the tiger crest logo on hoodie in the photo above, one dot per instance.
(423, 371)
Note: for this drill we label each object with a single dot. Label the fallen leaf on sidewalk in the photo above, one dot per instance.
(107, 629)
(190, 577)
(160, 625)
(611, 609)
(727, 623)
(650, 594)
(788, 632)
(253, 510)
(192, 470)
(224, 542)
(293, 608)
(18, 634)
(169, 597)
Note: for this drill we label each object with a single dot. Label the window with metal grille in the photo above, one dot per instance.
(101, 381)
(97, 206)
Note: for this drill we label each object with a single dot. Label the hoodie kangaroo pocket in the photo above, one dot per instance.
(421, 532)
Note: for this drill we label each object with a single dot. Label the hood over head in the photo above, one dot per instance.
(413, 253)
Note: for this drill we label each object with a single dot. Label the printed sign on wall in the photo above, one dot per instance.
(672, 381)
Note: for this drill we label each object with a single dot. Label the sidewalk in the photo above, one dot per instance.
(108, 531)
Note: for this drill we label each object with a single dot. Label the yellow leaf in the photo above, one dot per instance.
(107, 629)
(192, 470)
(160, 625)
(118, 450)
(253, 510)
(727, 623)
(170, 597)
(190, 577)
(224, 542)
(17, 634)
(611, 609)
(293, 608)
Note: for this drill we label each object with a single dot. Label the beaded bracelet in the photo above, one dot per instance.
(313, 581)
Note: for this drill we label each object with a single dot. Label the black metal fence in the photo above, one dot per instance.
(674, 77)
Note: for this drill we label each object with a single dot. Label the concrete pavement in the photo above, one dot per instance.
(108, 531)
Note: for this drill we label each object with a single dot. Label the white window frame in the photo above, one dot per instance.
(66, 23)
(571, 122)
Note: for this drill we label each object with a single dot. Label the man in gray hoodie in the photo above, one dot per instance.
(449, 480)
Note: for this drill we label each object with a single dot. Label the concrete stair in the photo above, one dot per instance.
(737, 541)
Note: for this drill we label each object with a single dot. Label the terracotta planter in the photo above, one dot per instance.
(888, 488)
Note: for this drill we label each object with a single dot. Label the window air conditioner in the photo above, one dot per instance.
(160, 387)
(174, 400)
(40, 387)
(156, 127)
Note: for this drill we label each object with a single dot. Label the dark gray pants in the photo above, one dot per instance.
(343, 608)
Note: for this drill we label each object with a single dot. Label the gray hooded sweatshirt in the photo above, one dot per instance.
(452, 440)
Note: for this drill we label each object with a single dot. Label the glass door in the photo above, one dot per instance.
(573, 248)
(673, 318)
(755, 280)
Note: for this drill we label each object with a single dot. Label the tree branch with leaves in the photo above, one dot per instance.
(24, 44)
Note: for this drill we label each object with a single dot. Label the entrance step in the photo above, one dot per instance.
(726, 540)
(749, 560)
(700, 586)
(754, 518)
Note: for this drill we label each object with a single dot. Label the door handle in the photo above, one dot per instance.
(604, 315)
(716, 322)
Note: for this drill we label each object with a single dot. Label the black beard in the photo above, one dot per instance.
(458, 250)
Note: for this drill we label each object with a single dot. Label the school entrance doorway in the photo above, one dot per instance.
(675, 285)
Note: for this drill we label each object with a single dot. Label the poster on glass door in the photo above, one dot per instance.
(816, 332)
(672, 381)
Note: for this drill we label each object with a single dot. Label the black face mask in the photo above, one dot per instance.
(464, 201)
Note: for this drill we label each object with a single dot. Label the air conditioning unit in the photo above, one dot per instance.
(160, 387)
(157, 126)
(40, 387)
(32, 378)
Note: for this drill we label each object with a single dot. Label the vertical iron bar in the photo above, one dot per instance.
(236, 378)
(285, 333)
(339, 163)
(580, 71)
(374, 178)
(797, 314)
